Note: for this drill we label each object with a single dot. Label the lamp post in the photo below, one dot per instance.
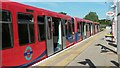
(118, 32)
(114, 24)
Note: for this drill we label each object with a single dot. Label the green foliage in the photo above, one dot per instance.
(105, 22)
(92, 16)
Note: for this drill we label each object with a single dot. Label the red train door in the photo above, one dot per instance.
(49, 36)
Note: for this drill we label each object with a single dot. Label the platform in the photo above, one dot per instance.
(93, 51)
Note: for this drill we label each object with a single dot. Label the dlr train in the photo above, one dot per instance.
(31, 34)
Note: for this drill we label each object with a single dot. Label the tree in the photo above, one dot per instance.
(105, 22)
(92, 16)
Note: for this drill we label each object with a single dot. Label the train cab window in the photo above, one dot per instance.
(41, 28)
(7, 34)
(25, 28)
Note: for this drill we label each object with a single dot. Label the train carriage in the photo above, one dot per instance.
(83, 29)
(89, 28)
(20, 38)
(78, 22)
(96, 27)
(31, 34)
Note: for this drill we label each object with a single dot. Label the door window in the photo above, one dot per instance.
(41, 28)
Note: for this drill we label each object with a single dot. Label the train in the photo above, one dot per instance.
(31, 34)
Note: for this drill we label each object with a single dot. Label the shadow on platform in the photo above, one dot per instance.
(105, 49)
(115, 63)
(112, 44)
(110, 41)
(89, 62)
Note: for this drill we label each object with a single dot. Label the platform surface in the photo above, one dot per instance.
(92, 52)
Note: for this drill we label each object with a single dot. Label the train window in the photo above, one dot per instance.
(69, 27)
(7, 36)
(82, 27)
(66, 29)
(73, 24)
(89, 27)
(23, 33)
(6, 16)
(25, 28)
(31, 30)
(63, 27)
(41, 28)
(49, 28)
(55, 26)
(86, 27)
(78, 27)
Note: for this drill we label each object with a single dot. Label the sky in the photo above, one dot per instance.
(77, 9)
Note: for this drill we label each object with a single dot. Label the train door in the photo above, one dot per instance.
(99, 28)
(63, 34)
(73, 29)
(49, 35)
(69, 34)
(95, 28)
(79, 29)
(57, 34)
(87, 30)
(91, 29)
(84, 31)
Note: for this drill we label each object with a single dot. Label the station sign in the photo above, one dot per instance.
(110, 13)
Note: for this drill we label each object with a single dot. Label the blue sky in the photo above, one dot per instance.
(79, 9)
